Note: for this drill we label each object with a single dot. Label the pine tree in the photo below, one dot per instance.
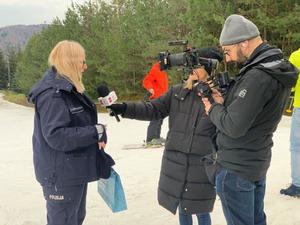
(3, 72)
(123, 38)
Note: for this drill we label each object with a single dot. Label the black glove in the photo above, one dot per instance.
(102, 137)
(117, 109)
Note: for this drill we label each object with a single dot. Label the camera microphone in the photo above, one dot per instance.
(107, 98)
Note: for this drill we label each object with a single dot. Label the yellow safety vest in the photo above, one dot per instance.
(295, 60)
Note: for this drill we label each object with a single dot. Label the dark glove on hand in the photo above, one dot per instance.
(117, 109)
(102, 137)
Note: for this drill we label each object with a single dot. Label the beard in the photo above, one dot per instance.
(241, 58)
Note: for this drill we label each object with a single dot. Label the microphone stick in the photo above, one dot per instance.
(107, 99)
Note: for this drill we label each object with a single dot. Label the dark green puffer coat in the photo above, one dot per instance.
(183, 180)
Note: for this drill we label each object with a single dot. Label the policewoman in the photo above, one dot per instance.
(66, 138)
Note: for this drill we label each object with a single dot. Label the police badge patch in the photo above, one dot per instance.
(243, 93)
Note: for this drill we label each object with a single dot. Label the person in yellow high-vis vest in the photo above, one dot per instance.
(294, 189)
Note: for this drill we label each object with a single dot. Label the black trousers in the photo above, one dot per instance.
(154, 129)
(65, 205)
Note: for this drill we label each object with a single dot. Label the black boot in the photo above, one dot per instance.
(292, 190)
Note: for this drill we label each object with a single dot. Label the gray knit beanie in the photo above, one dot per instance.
(237, 29)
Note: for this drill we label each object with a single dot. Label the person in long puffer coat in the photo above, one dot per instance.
(183, 182)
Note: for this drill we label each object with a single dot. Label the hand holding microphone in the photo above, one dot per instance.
(118, 108)
(107, 99)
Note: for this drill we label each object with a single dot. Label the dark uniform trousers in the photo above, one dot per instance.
(65, 205)
(154, 129)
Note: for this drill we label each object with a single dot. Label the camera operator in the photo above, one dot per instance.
(183, 181)
(247, 119)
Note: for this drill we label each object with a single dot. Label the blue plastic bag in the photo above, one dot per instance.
(112, 192)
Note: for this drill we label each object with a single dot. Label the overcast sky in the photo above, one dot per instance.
(13, 12)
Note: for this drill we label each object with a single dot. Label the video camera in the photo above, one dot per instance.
(190, 59)
(221, 81)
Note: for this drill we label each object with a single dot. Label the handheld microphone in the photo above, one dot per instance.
(107, 98)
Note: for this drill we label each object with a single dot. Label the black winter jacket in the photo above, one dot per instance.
(251, 112)
(183, 180)
(64, 137)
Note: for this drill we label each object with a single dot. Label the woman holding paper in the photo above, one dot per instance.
(67, 141)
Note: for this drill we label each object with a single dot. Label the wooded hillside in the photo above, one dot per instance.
(123, 39)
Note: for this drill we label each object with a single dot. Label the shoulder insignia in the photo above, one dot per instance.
(243, 93)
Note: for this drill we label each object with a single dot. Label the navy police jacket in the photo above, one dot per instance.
(65, 140)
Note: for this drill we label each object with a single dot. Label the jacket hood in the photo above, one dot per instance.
(50, 80)
(281, 70)
(270, 60)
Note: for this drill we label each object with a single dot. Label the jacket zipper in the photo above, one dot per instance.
(187, 158)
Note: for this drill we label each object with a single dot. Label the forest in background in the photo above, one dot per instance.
(123, 38)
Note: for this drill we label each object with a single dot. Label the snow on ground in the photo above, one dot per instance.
(21, 199)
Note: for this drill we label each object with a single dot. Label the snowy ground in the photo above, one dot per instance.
(21, 199)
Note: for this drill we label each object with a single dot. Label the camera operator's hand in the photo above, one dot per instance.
(207, 104)
(117, 109)
(217, 96)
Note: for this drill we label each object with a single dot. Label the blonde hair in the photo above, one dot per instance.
(65, 57)
(189, 82)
